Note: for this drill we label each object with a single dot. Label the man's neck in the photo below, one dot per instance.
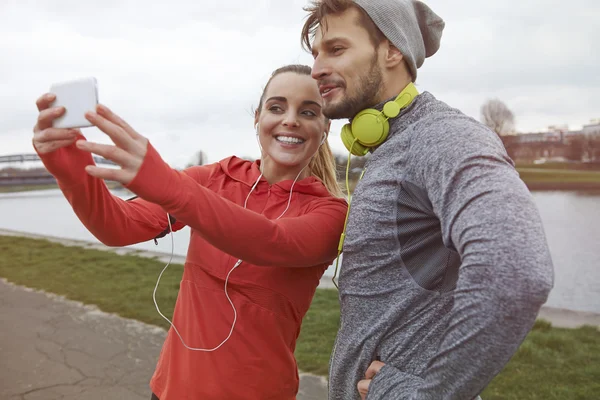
(392, 88)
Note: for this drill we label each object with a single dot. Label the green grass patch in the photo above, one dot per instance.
(29, 188)
(26, 188)
(533, 175)
(551, 364)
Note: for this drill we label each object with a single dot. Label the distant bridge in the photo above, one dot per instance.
(21, 158)
(34, 178)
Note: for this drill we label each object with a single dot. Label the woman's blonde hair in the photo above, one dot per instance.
(322, 165)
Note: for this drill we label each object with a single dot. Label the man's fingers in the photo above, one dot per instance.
(363, 388)
(373, 369)
(44, 101)
(115, 119)
(51, 134)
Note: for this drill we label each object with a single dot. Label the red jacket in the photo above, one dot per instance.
(272, 289)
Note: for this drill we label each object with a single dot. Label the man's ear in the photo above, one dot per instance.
(393, 56)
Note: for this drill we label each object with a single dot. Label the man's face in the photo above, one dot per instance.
(346, 66)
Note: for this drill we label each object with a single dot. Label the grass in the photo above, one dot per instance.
(558, 175)
(552, 176)
(551, 364)
(27, 188)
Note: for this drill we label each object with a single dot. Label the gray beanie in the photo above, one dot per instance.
(410, 25)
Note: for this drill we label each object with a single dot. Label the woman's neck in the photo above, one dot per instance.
(274, 173)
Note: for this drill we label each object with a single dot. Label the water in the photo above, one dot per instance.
(571, 221)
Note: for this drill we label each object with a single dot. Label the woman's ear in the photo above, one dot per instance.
(256, 115)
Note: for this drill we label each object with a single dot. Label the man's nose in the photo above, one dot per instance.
(320, 69)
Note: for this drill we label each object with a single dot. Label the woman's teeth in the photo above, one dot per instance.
(290, 140)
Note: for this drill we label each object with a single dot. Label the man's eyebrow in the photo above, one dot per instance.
(329, 42)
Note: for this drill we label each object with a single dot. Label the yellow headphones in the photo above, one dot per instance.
(370, 127)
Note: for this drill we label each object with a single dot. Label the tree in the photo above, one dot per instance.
(591, 148)
(576, 149)
(498, 117)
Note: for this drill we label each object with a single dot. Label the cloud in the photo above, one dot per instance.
(186, 74)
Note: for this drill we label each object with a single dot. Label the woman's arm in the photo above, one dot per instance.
(307, 240)
(113, 221)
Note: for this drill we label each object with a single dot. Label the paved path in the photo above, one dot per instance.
(52, 348)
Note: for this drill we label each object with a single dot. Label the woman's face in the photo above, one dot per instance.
(291, 125)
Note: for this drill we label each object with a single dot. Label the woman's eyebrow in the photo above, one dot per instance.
(284, 100)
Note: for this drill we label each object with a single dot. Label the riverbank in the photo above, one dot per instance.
(544, 179)
(537, 177)
(551, 361)
(558, 317)
(31, 188)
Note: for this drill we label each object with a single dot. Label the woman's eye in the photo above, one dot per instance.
(275, 108)
(310, 113)
(337, 49)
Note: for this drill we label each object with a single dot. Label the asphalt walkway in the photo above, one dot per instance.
(52, 348)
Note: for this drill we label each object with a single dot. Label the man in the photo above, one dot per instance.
(445, 259)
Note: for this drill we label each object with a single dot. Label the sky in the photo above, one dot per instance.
(186, 73)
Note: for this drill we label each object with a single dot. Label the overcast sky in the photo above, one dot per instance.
(186, 73)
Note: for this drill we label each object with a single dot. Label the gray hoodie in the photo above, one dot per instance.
(445, 263)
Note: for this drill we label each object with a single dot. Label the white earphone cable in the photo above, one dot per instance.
(237, 264)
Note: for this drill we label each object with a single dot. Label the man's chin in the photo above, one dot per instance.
(337, 110)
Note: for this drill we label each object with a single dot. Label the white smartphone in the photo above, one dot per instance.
(77, 96)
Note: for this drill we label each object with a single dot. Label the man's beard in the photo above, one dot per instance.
(365, 95)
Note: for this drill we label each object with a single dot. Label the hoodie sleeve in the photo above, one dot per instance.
(488, 216)
(308, 240)
(113, 221)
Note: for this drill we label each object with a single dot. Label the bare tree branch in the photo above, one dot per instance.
(498, 117)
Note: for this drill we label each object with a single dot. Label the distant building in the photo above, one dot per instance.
(592, 130)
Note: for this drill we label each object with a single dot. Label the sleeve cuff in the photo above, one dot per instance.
(393, 384)
(67, 164)
(156, 181)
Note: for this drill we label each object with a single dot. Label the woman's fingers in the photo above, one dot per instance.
(117, 134)
(110, 152)
(56, 144)
(46, 116)
(44, 101)
(51, 134)
(118, 175)
(52, 139)
(115, 119)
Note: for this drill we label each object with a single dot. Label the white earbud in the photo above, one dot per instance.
(324, 138)
(256, 127)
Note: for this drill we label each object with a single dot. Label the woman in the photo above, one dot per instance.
(282, 215)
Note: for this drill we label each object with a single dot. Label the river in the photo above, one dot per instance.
(571, 221)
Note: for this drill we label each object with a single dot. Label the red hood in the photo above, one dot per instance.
(248, 172)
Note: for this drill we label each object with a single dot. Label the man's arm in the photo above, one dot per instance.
(488, 216)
